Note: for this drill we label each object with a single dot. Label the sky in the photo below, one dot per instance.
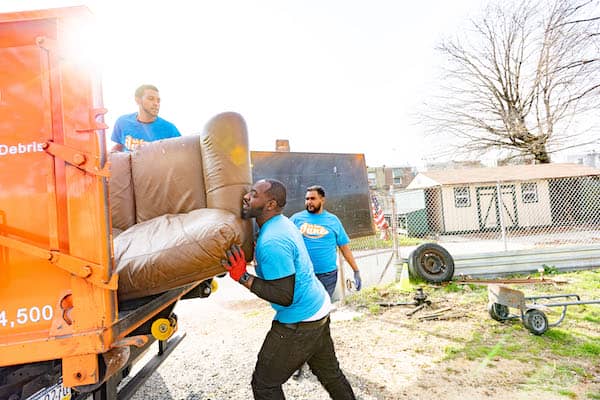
(339, 76)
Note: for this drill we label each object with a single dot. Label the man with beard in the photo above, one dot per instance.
(132, 130)
(300, 329)
(323, 233)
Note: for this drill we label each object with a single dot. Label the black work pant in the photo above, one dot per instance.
(329, 281)
(286, 348)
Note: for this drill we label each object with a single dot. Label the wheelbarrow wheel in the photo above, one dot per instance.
(498, 312)
(536, 321)
(432, 263)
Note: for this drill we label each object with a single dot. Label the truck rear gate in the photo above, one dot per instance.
(58, 302)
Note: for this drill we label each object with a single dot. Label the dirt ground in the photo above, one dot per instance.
(385, 356)
(406, 360)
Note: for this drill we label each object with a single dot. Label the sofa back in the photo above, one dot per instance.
(168, 177)
(162, 177)
(178, 175)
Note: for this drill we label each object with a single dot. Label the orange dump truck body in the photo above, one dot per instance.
(57, 280)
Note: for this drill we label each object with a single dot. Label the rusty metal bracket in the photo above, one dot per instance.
(76, 266)
(137, 341)
(76, 158)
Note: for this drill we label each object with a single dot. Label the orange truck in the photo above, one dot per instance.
(64, 331)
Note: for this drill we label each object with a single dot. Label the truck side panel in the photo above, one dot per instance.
(56, 293)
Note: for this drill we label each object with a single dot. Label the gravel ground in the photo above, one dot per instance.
(384, 357)
(216, 358)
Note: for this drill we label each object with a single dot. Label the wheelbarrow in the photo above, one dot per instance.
(532, 309)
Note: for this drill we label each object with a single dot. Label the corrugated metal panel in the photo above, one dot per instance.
(523, 261)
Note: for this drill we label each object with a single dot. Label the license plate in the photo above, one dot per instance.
(56, 392)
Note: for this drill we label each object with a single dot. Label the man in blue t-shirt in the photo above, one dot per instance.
(285, 278)
(323, 233)
(131, 130)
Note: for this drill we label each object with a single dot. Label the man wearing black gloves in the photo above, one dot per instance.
(300, 329)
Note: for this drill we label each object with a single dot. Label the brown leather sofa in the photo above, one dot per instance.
(176, 207)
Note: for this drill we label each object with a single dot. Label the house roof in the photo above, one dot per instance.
(506, 173)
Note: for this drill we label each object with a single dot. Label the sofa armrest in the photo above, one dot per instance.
(226, 168)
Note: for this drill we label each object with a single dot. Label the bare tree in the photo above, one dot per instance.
(522, 80)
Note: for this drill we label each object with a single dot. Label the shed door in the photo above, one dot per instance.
(488, 209)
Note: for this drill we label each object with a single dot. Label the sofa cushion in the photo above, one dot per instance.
(168, 177)
(174, 250)
(122, 204)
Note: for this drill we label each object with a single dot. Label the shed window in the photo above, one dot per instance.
(462, 197)
(397, 174)
(529, 192)
(372, 178)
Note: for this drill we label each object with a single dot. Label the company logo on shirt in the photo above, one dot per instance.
(132, 143)
(313, 231)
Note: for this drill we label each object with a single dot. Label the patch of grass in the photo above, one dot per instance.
(558, 336)
(592, 317)
(567, 393)
(482, 347)
(592, 349)
(485, 352)
(452, 351)
(567, 344)
(593, 396)
(584, 281)
(390, 293)
(453, 288)
(578, 370)
(374, 309)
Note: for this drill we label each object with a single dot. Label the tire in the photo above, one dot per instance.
(536, 321)
(432, 263)
(498, 312)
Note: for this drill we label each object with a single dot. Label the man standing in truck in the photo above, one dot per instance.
(300, 330)
(323, 233)
(132, 130)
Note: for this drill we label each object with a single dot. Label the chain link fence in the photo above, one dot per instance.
(500, 216)
(488, 227)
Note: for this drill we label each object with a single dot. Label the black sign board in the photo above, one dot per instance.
(344, 177)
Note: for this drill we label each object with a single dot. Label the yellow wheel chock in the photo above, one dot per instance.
(163, 328)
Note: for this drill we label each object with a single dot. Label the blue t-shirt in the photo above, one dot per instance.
(280, 252)
(131, 133)
(322, 234)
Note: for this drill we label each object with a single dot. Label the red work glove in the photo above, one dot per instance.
(235, 263)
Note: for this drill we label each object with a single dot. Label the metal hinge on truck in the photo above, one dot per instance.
(76, 158)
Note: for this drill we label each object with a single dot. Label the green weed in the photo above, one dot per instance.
(550, 269)
(568, 393)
